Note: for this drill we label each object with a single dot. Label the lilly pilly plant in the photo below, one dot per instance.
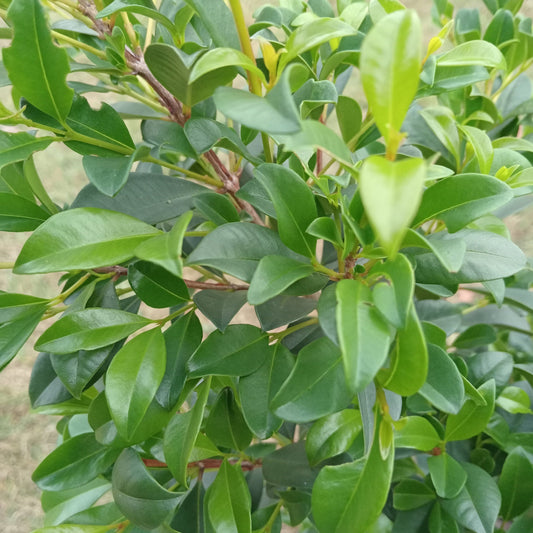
(358, 392)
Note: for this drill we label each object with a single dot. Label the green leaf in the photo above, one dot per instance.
(36, 67)
(516, 484)
(133, 378)
(472, 418)
(477, 335)
(390, 65)
(216, 207)
(480, 53)
(139, 7)
(441, 121)
(490, 365)
(444, 386)
(138, 495)
(288, 467)
(350, 497)
(332, 435)
(349, 116)
(481, 145)
(316, 386)
(276, 113)
(189, 517)
(514, 400)
(313, 34)
(19, 146)
(409, 366)
(13, 335)
(219, 306)
(225, 425)
(16, 306)
(294, 203)
(238, 351)
(182, 338)
(458, 200)
(273, 275)
(237, 248)
(19, 214)
(325, 228)
(181, 434)
(478, 504)
(89, 329)
(155, 286)
(223, 57)
(227, 501)
(416, 432)
(364, 337)
(411, 494)
(447, 475)
(95, 238)
(257, 390)
(74, 463)
(391, 192)
(165, 250)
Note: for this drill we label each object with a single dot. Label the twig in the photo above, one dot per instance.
(207, 464)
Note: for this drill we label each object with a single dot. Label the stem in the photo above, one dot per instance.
(177, 313)
(193, 175)
(216, 286)
(325, 270)
(479, 305)
(273, 516)
(64, 295)
(253, 80)
(37, 186)
(77, 44)
(292, 329)
(7, 266)
(130, 30)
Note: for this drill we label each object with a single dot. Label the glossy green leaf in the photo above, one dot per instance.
(409, 367)
(411, 494)
(444, 386)
(181, 434)
(138, 495)
(89, 329)
(273, 275)
(189, 517)
(285, 309)
(239, 351)
(481, 145)
(294, 204)
(514, 400)
(75, 462)
(227, 501)
(237, 248)
(133, 378)
(477, 335)
(458, 200)
(182, 338)
(19, 214)
(391, 192)
(316, 386)
(390, 65)
(16, 306)
(155, 286)
(108, 174)
(19, 146)
(416, 432)
(349, 116)
(332, 435)
(288, 467)
(325, 228)
(36, 67)
(276, 113)
(351, 496)
(472, 418)
(516, 484)
(220, 58)
(225, 425)
(364, 336)
(447, 475)
(95, 238)
(257, 390)
(480, 53)
(478, 504)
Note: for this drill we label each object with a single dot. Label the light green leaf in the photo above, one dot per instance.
(391, 192)
(481, 145)
(36, 67)
(390, 65)
(480, 53)
(19, 146)
(442, 123)
(273, 275)
(364, 336)
(19, 214)
(416, 432)
(95, 238)
(133, 378)
(294, 203)
(447, 475)
(514, 400)
(89, 329)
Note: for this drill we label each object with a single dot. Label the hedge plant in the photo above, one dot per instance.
(287, 294)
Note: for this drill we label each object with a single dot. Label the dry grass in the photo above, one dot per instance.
(25, 438)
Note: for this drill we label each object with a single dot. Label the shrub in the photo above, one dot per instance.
(380, 378)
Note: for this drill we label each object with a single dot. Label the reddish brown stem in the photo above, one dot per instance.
(206, 464)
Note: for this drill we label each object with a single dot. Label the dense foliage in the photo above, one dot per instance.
(345, 342)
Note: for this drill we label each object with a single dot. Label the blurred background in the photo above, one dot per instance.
(26, 438)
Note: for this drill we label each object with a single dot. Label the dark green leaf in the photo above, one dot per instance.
(490, 365)
(89, 329)
(138, 495)
(219, 306)
(289, 467)
(217, 208)
(19, 146)
(411, 494)
(16, 306)
(95, 238)
(238, 351)
(349, 116)
(108, 174)
(74, 463)
(283, 310)
(516, 484)
(36, 67)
